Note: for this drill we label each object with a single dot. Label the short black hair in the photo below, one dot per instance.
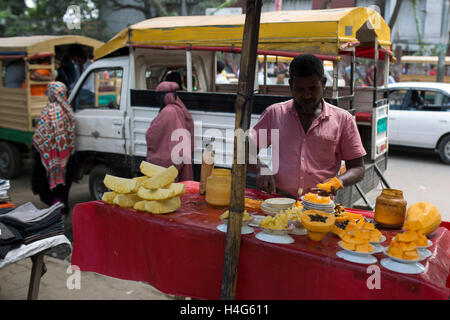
(306, 65)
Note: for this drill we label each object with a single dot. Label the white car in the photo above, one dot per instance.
(419, 116)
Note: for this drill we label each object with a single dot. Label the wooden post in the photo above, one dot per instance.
(243, 106)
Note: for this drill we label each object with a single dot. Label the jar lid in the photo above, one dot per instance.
(221, 172)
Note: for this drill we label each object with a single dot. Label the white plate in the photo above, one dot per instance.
(244, 229)
(422, 256)
(383, 239)
(256, 220)
(272, 238)
(367, 259)
(270, 211)
(376, 249)
(430, 243)
(408, 268)
(280, 203)
(427, 253)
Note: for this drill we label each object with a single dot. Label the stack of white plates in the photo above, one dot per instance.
(275, 205)
(324, 207)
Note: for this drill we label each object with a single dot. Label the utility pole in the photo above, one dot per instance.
(243, 107)
(443, 41)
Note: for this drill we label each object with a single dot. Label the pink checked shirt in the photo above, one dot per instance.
(306, 159)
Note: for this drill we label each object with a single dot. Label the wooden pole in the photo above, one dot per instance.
(243, 106)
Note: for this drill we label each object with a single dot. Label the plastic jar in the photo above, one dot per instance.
(390, 208)
(218, 187)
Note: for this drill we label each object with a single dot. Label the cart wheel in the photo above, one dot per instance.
(10, 161)
(96, 177)
(444, 149)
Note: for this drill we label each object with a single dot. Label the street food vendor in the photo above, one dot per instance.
(314, 137)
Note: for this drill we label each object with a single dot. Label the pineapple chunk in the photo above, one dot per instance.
(162, 178)
(178, 188)
(108, 197)
(157, 194)
(140, 205)
(163, 206)
(139, 182)
(119, 185)
(150, 169)
(169, 191)
(126, 200)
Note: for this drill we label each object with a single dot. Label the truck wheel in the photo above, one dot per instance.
(10, 162)
(444, 149)
(96, 185)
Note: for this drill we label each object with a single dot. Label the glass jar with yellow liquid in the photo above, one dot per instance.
(218, 187)
(390, 208)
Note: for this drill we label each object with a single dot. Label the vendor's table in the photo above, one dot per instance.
(35, 251)
(182, 253)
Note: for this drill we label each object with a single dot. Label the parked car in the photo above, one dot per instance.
(419, 116)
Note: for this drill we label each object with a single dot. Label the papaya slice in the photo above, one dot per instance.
(317, 221)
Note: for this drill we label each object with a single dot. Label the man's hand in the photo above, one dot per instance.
(324, 193)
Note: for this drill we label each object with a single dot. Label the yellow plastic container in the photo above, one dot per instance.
(390, 208)
(218, 187)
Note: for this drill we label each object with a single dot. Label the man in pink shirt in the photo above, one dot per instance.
(314, 137)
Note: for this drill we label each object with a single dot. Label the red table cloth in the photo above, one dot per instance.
(182, 253)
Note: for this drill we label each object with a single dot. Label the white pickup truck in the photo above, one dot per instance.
(111, 126)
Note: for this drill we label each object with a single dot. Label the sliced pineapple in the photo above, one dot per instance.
(108, 197)
(169, 191)
(119, 185)
(162, 178)
(150, 169)
(156, 194)
(140, 205)
(179, 188)
(126, 200)
(139, 182)
(163, 206)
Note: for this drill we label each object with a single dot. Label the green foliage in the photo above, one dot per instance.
(46, 17)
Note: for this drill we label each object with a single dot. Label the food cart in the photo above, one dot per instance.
(19, 108)
(181, 252)
(191, 44)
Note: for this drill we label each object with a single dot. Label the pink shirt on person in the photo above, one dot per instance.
(308, 159)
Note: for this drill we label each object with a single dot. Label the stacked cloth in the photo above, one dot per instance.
(26, 224)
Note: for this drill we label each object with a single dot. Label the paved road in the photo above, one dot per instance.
(420, 175)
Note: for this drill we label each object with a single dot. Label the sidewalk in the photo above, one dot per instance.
(14, 281)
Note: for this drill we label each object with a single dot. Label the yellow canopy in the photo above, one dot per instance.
(307, 31)
(43, 44)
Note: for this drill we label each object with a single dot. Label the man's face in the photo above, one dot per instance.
(307, 92)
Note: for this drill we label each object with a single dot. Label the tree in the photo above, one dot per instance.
(46, 17)
(150, 8)
(394, 15)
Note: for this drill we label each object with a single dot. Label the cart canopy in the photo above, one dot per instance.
(324, 32)
(36, 45)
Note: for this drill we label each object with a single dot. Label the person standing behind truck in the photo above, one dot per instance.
(86, 94)
(173, 115)
(53, 149)
(314, 136)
